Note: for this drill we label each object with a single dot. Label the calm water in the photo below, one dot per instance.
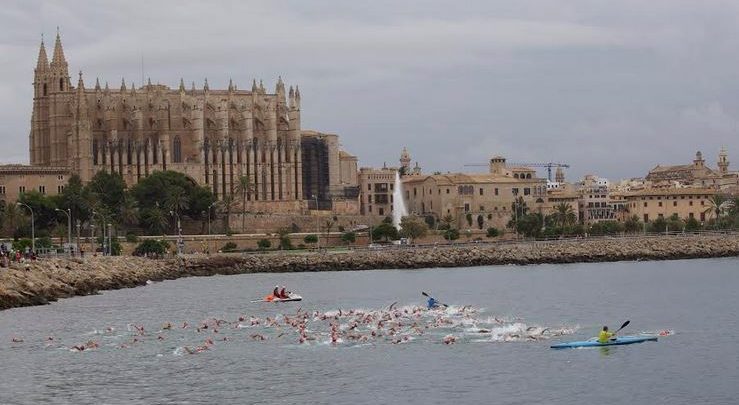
(697, 299)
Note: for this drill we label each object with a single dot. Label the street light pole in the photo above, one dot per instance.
(179, 232)
(33, 226)
(110, 239)
(68, 213)
(102, 223)
(318, 226)
(209, 208)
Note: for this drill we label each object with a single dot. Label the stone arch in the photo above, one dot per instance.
(176, 149)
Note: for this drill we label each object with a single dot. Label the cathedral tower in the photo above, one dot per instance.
(723, 162)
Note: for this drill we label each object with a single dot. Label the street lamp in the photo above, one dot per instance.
(110, 239)
(68, 213)
(103, 226)
(318, 226)
(179, 232)
(209, 208)
(33, 226)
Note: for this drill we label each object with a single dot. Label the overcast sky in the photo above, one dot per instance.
(610, 87)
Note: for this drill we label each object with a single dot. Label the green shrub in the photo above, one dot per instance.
(349, 237)
(132, 237)
(22, 244)
(229, 247)
(493, 232)
(264, 244)
(310, 239)
(451, 234)
(151, 246)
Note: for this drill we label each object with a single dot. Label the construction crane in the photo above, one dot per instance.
(548, 165)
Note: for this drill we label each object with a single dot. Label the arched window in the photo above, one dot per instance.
(177, 150)
(515, 175)
(94, 151)
(61, 84)
(45, 89)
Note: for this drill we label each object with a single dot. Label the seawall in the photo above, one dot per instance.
(50, 279)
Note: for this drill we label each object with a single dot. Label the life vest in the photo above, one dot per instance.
(604, 336)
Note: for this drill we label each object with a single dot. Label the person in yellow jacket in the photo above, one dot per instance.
(605, 336)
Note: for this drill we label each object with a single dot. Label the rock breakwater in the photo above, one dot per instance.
(50, 279)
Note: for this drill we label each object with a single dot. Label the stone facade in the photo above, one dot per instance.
(18, 179)
(687, 202)
(376, 190)
(697, 174)
(212, 136)
(487, 198)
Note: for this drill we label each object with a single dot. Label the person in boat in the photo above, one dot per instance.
(276, 292)
(605, 336)
(283, 294)
(432, 303)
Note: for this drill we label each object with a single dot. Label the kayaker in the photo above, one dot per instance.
(432, 303)
(604, 336)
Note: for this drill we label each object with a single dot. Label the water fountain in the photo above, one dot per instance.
(399, 209)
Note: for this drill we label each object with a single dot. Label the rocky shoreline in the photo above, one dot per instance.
(47, 280)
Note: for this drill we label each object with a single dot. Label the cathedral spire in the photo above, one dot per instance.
(123, 85)
(81, 99)
(230, 85)
(205, 86)
(253, 85)
(297, 97)
(97, 84)
(182, 85)
(261, 86)
(42, 61)
(58, 60)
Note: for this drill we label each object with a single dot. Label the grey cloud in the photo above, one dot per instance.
(610, 87)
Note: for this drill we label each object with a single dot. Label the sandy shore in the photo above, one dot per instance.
(50, 279)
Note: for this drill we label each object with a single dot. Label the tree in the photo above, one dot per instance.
(44, 214)
(492, 232)
(310, 239)
(75, 198)
(446, 222)
(564, 214)
(243, 188)
(128, 211)
(480, 221)
(530, 225)
(285, 242)
(718, 205)
(14, 222)
(177, 200)
(451, 234)
(632, 225)
(658, 225)
(413, 228)
(468, 217)
(154, 220)
(349, 237)
(329, 224)
(385, 232)
(105, 193)
(692, 224)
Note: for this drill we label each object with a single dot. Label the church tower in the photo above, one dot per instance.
(559, 175)
(723, 162)
(80, 142)
(51, 86)
(405, 161)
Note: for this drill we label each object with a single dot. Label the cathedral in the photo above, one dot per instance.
(215, 137)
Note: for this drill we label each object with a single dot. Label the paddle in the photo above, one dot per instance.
(426, 295)
(622, 326)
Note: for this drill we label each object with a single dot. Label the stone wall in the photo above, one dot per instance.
(50, 279)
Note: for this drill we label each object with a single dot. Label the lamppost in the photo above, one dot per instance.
(68, 213)
(110, 239)
(103, 226)
(209, 208)
(79, 225)
(179, 232)
(33, 226)
(318, 225)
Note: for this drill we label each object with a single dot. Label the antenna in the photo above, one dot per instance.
(142, 70)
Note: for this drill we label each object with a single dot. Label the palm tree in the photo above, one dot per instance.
(244, 188)
(129, 211)
(227, 204)
(13, 219)
(564, 214)
(177, 200)
(718, 205)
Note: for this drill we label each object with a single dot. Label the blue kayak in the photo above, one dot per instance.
(621, 340)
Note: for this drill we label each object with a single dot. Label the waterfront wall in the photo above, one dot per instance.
(50, 279)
